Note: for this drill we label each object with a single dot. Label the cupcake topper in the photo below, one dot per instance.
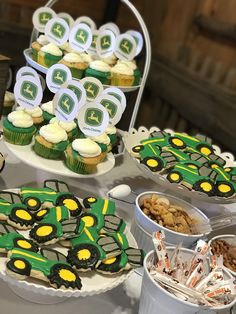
(78, 89)
(57, 31)
(93, 119)
(23, 71)
(138, 38)
(65, 105)
(113, 107)
(56, 76)
(126, 47)
(86, 20)
(117, 93)
(106, 43)
(93, 47)
(41, 17)
(111, 27)
(67, 17)
(80, 37)
(93, 87)
(28, 91)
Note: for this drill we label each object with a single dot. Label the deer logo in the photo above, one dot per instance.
(126, 46)
(66, 104)
(81, 36)
(59, 77)
(94, 41)
(57, 30)
(91, 91)
(110, 107)
(29, 90)
(44, 17)
(106, 42)
(93, 117)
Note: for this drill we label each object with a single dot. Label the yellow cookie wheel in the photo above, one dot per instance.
(176, 142)
(205, 149)
(224, 189)
(155, 164)
(137, 148)
(29, 245)
(205, 186)
(24, 244)
(19, 266)
(43, 233)
(21, 217)
(71, 202)
(32, 203)
(174, 177)
(64, 275)
(88, 201)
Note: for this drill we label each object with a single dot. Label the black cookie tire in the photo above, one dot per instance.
(210, 191)
(23, 271)
(33, 207)
(15, 217)
(174, 177)
(155, 164)
(111, 268)
(26, 244)
(83, 264)
(58, 279)
(205, 149)
(173, 142)
(92, 216)
(227, 185)
(61, 201)
(88, 201)
(41, 214)
(137, 148)
(46, 238)
(3, 164)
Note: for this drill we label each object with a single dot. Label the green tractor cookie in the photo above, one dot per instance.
(100, 205)
(14, 212)
(23, 264)
(54, 193)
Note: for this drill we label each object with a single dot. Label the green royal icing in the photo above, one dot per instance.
(7, 240)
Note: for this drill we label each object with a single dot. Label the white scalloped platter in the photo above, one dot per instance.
(92, 282)
(26, 154)
(133, 137)
(42, 69)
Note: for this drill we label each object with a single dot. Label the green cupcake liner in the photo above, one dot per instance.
(34, 54)
(79, 167)
(103, 77)
(17, 138)
(137, 77)
(76, 73)
(46, 152)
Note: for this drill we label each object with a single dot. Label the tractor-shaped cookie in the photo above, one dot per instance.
(54, 193)
(14, 212)
(49, 266)
(103, 205)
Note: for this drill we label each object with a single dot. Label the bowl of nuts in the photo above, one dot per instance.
(225, 245)
(155, 211)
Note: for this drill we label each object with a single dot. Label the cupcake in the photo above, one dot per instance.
(49, 54)
(83, 155)
(35, 113)
(111, 60)
(86, 57)
(103, 141)
(111, 133)
(99, 70)
(51, 141)
(133, 66)
(75, 63)
(70, 127)
(48, 111)
(122, 75)
(37, 45)
(9, 101)
(18, 128)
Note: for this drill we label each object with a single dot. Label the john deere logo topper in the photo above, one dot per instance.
(65, 105)
(77, 88)
(92, 86)
(28, 91)
(56, 76)
(118, 94)
(86, 20)
(93, 47)
(57, 31)
(106, 42)
(111, 27)
(112, 106)
(27, 71)
(80, 37)
(93, 116)
(41, 17)
(125, 47)
(138, 38)
(69, 19)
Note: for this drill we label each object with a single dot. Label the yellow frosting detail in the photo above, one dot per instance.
(70, 204)
(19, 264)
(88, 234)
(227, 169)
(152, 163)
(192, 166)
(180, 167)
(153, 141)
(178, 142)
(89, 221)
(31, 202)
(205, 151)
(38, 192)
(105, 206)
(44, 231)
(174, 176)
(28, 255)
(120, 238)
(174, 153)
(58, 213)
(188, 137)
(206, 186)
(91, 199)
(5, 204)
(24, 244)
(41, 212)
(23, 214)
(67, 275)
(224, 188)
(214, 166)
(83, 254)
(109, 261)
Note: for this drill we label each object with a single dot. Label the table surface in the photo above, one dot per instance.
(123, 299)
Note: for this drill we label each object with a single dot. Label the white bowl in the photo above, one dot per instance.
(228, 238)
(155, 299)
(143, 227)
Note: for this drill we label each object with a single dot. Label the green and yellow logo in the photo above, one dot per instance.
(93, 117)
(94, 41)
(59, 76)
(76, 90)
(126, 46)
(110, 107)
(58, 30)
(44, 17)
(92, 89)
(66, 104)
(29, 90)
(81, 36)
(105, 42)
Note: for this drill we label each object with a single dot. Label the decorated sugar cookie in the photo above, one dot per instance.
(100, 205)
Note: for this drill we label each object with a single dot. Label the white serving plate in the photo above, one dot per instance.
(26, 154)
(37, 66)
(39, 292)
(133, 137)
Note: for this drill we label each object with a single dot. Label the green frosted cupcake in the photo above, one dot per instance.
(51, 141)
(83, 156)
(49, 54)
(100, 70)
(18, 128)
(70, 128)
(48, 111)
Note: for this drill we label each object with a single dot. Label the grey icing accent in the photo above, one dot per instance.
(220, 160)
(53, 255)
(69, 227)
(55, 185)
(135, 256)
(108, 244)
(203, 138)
(205, 171)
(6, 228)
(159, 134)
(10, 197)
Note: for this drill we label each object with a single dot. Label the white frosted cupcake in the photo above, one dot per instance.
(35, 113)
(70, 127)
(103, 141)
(132, 64)
(86, 57)
(83, 155)
(111, 60)
(49, 54)
(48, 111)
(122, 75)
(99, 70)
(51, 141)
(75, 63)
(37, 45)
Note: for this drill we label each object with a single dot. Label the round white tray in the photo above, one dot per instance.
(39, 292)
(133, 137)
(27, 155)
(37, 66)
